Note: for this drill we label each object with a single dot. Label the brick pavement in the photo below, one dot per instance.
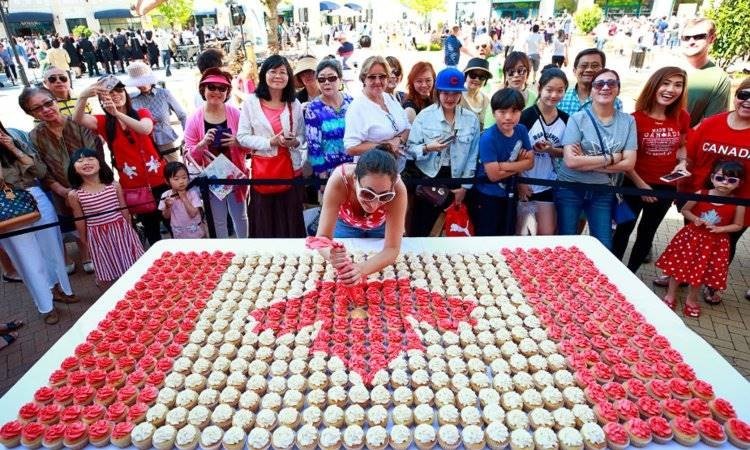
(726, 326)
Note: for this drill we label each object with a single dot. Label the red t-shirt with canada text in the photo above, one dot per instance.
(658, 142)
(136, 159)
(713, 140)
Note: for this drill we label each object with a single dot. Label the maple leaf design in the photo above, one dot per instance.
(130, 171)
(711, 217)
(366, 326)
(153, 164)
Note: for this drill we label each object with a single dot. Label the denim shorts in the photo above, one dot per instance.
(344, 230)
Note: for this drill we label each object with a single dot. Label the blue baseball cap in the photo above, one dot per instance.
(450, 79)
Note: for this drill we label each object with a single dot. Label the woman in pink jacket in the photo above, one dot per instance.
(211, 131)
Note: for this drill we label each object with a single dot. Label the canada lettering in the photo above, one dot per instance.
(726, 150)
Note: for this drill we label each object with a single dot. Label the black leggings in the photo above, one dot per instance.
(152, 221)
(653, 214)
(424, 214)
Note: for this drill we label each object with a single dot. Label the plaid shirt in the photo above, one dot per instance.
(571, 104)
(160, 102)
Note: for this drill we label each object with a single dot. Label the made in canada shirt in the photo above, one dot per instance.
(135, 157)
(713, 140)
(658, 142)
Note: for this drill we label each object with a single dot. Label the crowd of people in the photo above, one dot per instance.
(498, 118)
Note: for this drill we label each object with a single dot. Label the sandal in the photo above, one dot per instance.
(670, 303)
(12, 325)
(12, 278)
(661, 281)
(711, 296)
(693, 311)
(51, 317)
(9, 338)
(88, 266)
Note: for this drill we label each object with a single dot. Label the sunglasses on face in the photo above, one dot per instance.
(369, 195)
(478, 75)
(48, 104)
(56, 78)
(725, 179)
(599, 84)
(481, 46)
(395, 73)
(743, 95)
(330, 79)
(696, 37)
(379, 77)
(520, 72)
(217, 87)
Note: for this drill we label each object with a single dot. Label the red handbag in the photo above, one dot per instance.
(457, 221)
(274, 167)
(139, 200)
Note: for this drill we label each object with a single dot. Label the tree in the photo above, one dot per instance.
(424, 7)
(732, 39)
(565, 5)
(171, 13)
(82, 31)
(588, 18)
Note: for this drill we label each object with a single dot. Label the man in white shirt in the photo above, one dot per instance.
(534, 45)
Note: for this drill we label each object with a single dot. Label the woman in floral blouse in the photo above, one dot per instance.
(324, 121)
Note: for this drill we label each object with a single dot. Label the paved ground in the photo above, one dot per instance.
(726, 326)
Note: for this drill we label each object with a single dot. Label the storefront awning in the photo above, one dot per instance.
(328, 6)
(17, 17)
(205, 12)
(113, 14)
(353, 6)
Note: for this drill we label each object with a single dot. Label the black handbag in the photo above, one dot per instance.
(437, 196)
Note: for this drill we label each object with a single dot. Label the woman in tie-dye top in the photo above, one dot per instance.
(324, 121)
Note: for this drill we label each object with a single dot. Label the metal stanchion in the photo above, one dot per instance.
(206, 198)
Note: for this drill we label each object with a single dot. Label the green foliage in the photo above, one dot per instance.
(433, 47)
(588, 18)
(424, 7)
(171, 13)
(732, 39)
(565, 5)
(81, 31)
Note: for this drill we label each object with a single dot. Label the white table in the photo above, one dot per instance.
(708, 364)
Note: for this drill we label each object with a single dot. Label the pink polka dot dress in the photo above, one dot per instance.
(697, 256)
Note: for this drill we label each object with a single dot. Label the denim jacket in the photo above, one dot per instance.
(430, 125)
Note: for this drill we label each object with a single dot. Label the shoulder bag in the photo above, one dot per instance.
(274, 167)
(621, 212)
(140, 200)
(17, 207)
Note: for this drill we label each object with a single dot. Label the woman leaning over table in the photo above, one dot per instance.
(272, 126)
(444, 141)
(585, 161)
(56, 136)
(324, 121)
(662, 123)
(200, 144)
(37, 256)
(127, 132)
(375, 118)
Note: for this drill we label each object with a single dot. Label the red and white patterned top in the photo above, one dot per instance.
(353, 214)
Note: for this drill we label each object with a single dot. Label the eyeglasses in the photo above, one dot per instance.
(217, 87)
(395, 73)
(594, 66)
(696, 37)
(478, 75)
(724, 179)
(280, 73)
(481, 46)
(599, 84)
(56, 78)
(369, 195)
(379, 77)
(520, 72)
(48, 104)
(743, 95)
(330, 79)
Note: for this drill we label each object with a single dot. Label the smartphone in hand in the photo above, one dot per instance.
(218, 136)
(674, 176)
(110, 82)
(448, 139)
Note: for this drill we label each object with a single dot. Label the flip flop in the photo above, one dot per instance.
(670, 303)
(13, 325)
(8, 338)
(693, 311)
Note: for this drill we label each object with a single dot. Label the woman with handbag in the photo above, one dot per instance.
(38, 255)
(211, 131)
(444, 141)
(599, 144)
(272, 125)
(127, 132)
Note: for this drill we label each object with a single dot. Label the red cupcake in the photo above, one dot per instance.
(680, 389)
(639, 432)
(44, 395)
(53, 436)
(58, 378)
(99, 432)
(673, 408)
(660, 429)
(29, 412)
(722, 409)
(50, 414)
(32, 434)
(626, 409)
(84, 395)
(605, 412)
(738, 433)
(76, 436)
(685, 431)
(120, 436)
(127, 394)
(617, 437)
(10, 434)
(71, 414)
(137, 413)
(614, 391)
(711, 431)
(648, 407)
(117, 412)
(64, 395)
(92, 413)
(702, 389)
(116, 378)
(697, 409)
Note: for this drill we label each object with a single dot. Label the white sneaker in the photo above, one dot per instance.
(88, 267)
(70, 268)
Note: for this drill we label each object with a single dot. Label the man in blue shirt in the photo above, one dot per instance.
(453, 48)
(587, 63)
(10, 65)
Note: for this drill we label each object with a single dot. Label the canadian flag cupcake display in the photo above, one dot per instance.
(262, 350)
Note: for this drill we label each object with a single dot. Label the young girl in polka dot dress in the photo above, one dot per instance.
(699, 253)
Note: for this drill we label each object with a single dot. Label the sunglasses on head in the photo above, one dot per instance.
(118, 89)
(379, 77)
(217, 87)
(696, 37)
(725, 179)
(743, 95)
(369, 195)
(330, 79)
(56, 78)
(48, 104)
(599, 84)
(478, 75)
(520, 72)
